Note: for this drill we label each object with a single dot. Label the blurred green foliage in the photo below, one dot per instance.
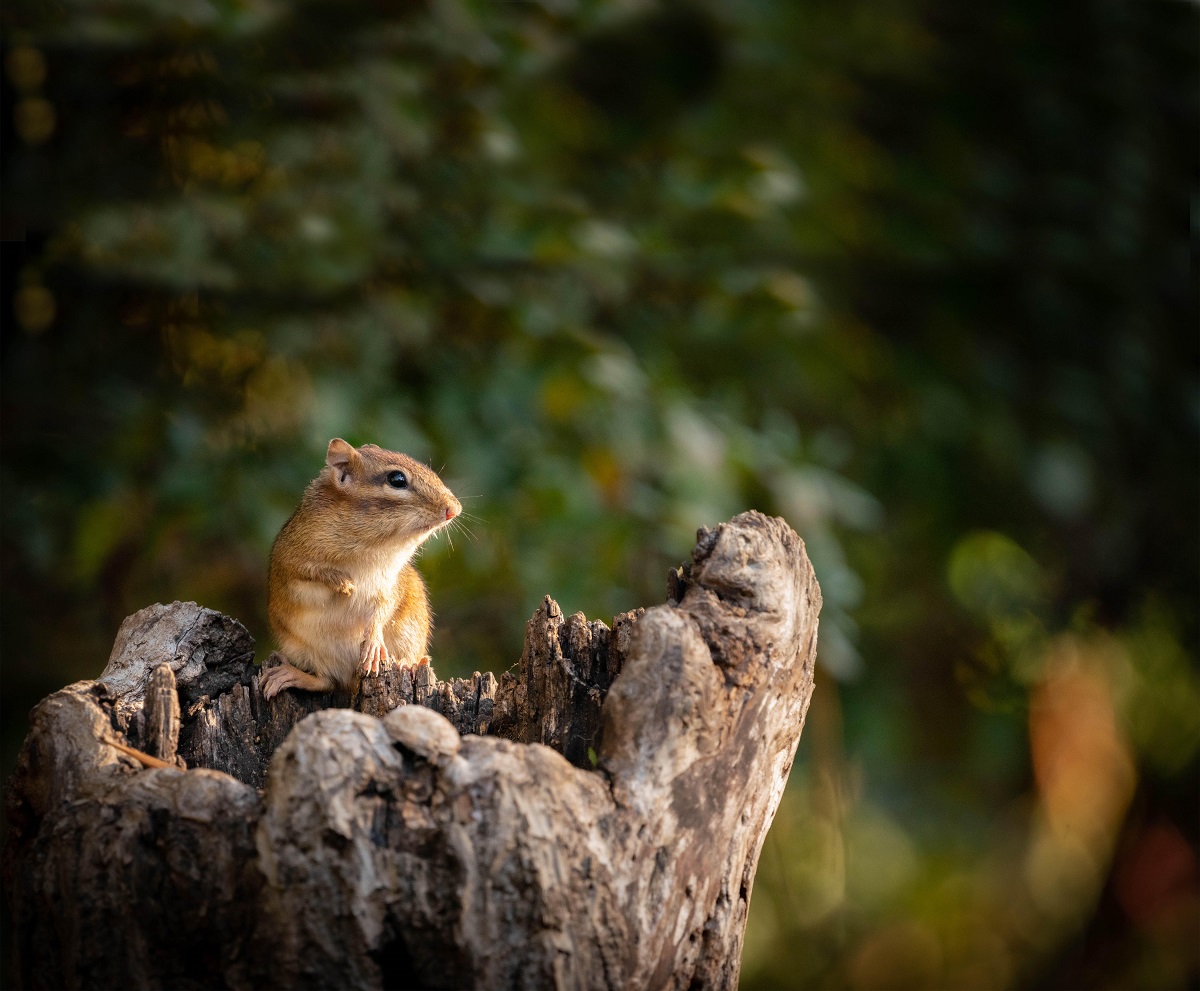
(910, 274)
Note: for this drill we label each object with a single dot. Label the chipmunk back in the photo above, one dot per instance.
(343, 596)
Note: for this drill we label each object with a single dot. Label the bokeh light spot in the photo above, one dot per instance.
(26, 68)
(34, 307)
(992, 576)
(34, 119)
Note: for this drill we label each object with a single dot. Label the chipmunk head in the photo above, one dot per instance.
(401, 495)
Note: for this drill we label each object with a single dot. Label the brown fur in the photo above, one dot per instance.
(342, 594)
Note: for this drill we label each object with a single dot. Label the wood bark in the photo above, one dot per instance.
(592, 820)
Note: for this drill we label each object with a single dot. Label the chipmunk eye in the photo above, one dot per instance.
(397, 479)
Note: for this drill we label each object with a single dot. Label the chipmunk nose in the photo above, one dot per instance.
(453, 509)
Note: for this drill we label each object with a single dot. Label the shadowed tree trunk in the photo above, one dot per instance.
(593, 821)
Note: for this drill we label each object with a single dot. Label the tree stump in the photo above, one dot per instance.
(592, 821)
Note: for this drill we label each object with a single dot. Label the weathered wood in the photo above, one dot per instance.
(207, 652)
(161, 708)
(564, 674)
(407, 844)
(119, 876)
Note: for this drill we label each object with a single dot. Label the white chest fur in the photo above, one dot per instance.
(375, 576)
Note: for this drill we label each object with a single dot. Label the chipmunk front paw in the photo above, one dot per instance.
(374, 655)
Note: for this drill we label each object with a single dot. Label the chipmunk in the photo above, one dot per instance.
(343, 597)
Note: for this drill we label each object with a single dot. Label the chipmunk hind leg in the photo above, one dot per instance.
(274, 680)
(406, 642)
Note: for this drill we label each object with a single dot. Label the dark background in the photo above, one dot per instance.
(916, 276)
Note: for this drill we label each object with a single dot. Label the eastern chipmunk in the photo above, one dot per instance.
(343, 597)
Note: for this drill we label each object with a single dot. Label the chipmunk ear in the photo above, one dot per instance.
(340, 456)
